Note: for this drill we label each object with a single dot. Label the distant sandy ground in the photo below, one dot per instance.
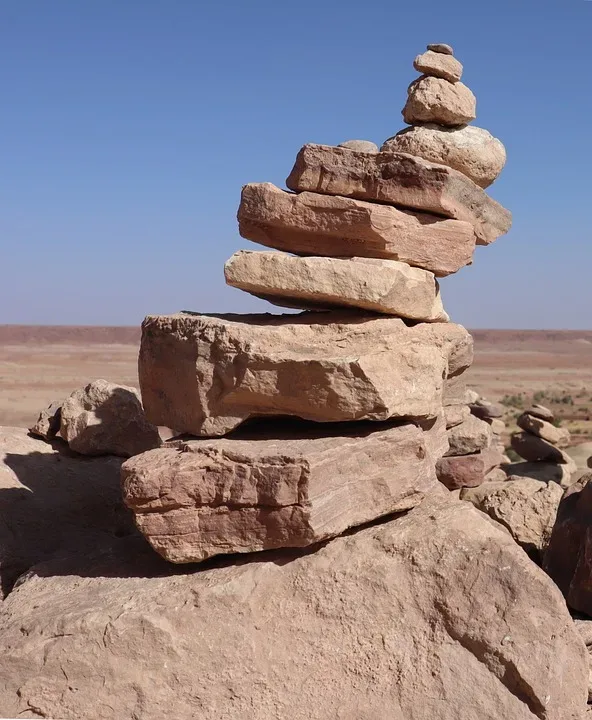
(42, 364)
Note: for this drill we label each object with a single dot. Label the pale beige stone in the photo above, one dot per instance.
(456, 414)
(48, 422)
(435, 100)
(360, 145)
(541, 412)
(107, 419)
(275, 487)
(315, 224)
(441, 48)
(471, 150)
(455, 391)
(439, 65)
(470, 436)
(400, 179)
(384, 286)
(437, 615)
(541, 428)
(205, 374)
(498, 426)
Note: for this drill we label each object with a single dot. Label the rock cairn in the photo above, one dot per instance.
(337, 416)
(541, 445)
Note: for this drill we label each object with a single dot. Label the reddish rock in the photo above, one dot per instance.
(467, 470)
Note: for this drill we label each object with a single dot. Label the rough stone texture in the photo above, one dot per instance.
(535, 449)
(275, 488)
(435, 100)
(316, 224)
(441, 48)
(468, 149)
(456, 414)
(469, 437)
(497, 425)
(455, 391)
(496, 475)
(584, 628)
(383, 286)
(541, 412)
(545, 471)
(568, 559)
(400, 179)
(360, 146)
(485, 410)
(107, 419)
(471, 396)
(543, 429)
(467, 470)
(526, 507)
(51, 501)
(437, 615)
(439, 65)
(205, 375)
(48, 422)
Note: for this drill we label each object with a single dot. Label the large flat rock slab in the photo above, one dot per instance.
(275, 488)
(383, 286)
(311, 223)
(206, 374)
(437, 615)
(400, 179)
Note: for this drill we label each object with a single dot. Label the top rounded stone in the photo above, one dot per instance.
(360, 146)
(441, 48)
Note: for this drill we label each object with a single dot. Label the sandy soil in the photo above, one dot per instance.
(42, 364)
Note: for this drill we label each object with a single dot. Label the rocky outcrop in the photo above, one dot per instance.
(383, 286)
(389, 619)
(316, 224)
(399, 179)
(273, 488)
(205, 375)
(107, 419)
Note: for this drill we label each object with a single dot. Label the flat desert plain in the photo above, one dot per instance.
(515, 367)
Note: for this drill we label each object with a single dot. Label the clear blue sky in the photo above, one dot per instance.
(127, 128)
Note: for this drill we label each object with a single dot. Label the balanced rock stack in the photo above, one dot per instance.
(474, 455)
(492, 414)
(541, 444)
(363, 237)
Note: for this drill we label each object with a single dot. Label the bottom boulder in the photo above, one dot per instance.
(436, 615)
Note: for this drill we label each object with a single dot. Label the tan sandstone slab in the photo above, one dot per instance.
(383, 286)
(400, 179)
(315, 224)
(471, 150)
(275, 486)
(206, 374)
(437, 64)
(437, 615)
(435, 100)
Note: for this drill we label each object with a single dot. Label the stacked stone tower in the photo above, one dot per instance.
(306, 425)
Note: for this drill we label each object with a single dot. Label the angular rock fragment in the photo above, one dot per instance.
(48, 422)
(535, 449)
(439, 65)
(485, 410)
(399, 179)
(360, 145)
(469, 437)
(275, 487)
(389, 619)
(540, 411)
(543, 429)
(468, 149)
(107, 419)
(526, 507)
(467, 470)
(456, 414)
(205, 375)
(383, 286)
(316, 224)
(435, 100)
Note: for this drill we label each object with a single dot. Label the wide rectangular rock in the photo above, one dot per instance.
(292, 488)
(384, 286)
(400, 179)
(206, 374)
(316, 224)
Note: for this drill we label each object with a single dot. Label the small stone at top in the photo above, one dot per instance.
(441, 48)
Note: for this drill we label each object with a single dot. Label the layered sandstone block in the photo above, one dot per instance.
(205, 375)
(384, 286)
(276, 488)
(400, 179)
(316, 224)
